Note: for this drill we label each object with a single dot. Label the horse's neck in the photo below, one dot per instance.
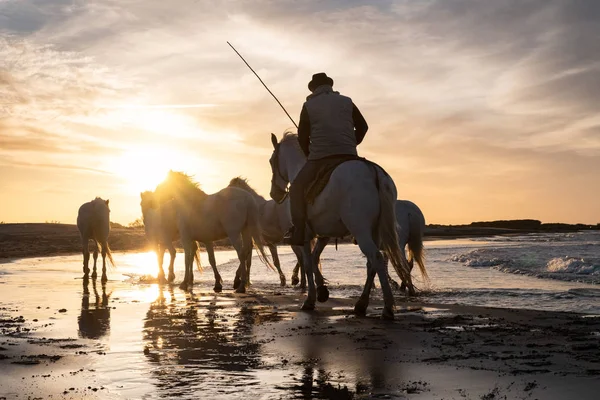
(258, 199)
(294, 163)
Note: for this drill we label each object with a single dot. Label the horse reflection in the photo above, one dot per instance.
(202, 342)
(94, 321)
(331, 370)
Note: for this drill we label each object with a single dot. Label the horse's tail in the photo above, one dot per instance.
(415, 242)
(388, 235)
(253, 224)
(197, 258)
(108, 253)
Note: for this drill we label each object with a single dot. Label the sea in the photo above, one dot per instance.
(549, 271)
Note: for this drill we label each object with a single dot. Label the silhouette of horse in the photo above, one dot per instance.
(230, 213)
(93, 222)
(359, 199)
(160, 225)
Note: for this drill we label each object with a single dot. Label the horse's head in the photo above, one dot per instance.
(147, 200)
(279, 178)
(101, 204)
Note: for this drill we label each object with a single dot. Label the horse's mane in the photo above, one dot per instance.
(288, 135)
(177, 180)
(242, 183)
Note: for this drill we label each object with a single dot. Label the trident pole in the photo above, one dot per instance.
(261, 81)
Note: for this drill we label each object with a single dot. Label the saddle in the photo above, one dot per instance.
(326, 168)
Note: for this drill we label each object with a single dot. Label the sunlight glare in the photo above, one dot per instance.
(143, 169)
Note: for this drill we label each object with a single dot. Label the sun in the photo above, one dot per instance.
(143, 169)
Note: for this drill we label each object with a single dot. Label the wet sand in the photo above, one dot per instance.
(139, 340)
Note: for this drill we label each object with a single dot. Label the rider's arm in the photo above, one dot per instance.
(304, 131)
(360, 124)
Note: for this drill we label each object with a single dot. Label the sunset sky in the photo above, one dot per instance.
(480, 110)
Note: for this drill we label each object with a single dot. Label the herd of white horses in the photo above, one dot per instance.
(359, 200)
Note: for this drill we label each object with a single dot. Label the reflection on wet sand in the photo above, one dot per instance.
(94, 321)
(203, 343)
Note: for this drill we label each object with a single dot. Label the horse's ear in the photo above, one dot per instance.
(106, 201)
(274, 140)
(142, 195)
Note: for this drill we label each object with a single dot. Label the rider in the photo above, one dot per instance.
(330, 125)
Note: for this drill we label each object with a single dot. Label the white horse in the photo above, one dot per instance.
(93, 222)
(230, 213)
(358, 200)
(411, 227)
(275, 221)
(160, 225)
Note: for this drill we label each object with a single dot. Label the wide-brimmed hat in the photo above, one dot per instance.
(319, 79)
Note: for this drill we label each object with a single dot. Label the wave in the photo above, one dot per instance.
(572, 266)
(568, 262)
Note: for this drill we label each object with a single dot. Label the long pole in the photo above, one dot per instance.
(261, 81)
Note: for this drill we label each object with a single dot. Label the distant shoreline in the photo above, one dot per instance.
(30, 240)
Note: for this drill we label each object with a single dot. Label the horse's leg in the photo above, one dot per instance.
(94, 273)
(86, 257)
(160, 255)
(322, 291)
(211, 259)
(104, 277)
(275, 255)
(299, 267)
(172, 253)
(187, 256)
(309, 303)
(238, 243)
(361, 305)
(411, 264)
(375, 258)
(248, 266)
(295, 278)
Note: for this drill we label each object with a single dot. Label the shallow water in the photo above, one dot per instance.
(216, 345)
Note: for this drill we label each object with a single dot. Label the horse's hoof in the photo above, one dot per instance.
(387, 314)
(322, 294)
(411, 291)
(241, 289)
(395, 285)
(161, 279)
(306, 306)
(302, 288)
(403, 287)
(236, 282)
(104, 279)
(360, 309)
(183, 286)
(86, 271)
(171, 278)
(218, 288)
(295, 280)
(94, 275)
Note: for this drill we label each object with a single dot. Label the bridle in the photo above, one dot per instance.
(284, 192)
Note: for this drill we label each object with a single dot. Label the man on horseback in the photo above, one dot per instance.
(330, 126)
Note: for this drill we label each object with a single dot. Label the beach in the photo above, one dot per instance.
(64, 337)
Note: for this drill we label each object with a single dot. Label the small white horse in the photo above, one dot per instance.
(358, 200)
(275, 220)
(93, 222)
(230, 213)
(411, 227)
(160, 226)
